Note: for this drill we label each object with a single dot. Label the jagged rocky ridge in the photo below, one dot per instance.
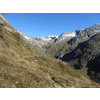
(65, 44)
(82, 35)
(44, 44)
(58, 46)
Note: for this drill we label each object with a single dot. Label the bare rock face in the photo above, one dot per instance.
(81, 35)
(87, 33)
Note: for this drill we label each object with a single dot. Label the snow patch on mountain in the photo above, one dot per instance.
(41, 41)
(1, 21)
(28, 38)
(66, 35)
(97, 31)
(50, 37)
(69, 34)
(11, 29)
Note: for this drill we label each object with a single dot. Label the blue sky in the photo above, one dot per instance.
(44, 24)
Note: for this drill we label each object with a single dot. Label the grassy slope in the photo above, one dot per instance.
(22, 66)
(57, 49)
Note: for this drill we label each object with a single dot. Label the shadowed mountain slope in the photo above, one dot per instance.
(86, 55)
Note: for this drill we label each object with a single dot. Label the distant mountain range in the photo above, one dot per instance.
(60, 45)
(65, 43)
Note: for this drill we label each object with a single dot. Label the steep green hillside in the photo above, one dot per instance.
(22, 65)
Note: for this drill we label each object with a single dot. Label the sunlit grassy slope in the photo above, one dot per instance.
(23, 66)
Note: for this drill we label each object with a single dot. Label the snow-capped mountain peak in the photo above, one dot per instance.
(69, 34)
(41, 41)
(52, 36)
(66, 35)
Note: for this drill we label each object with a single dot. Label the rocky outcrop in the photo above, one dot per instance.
(82, 35)
(85, 34)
